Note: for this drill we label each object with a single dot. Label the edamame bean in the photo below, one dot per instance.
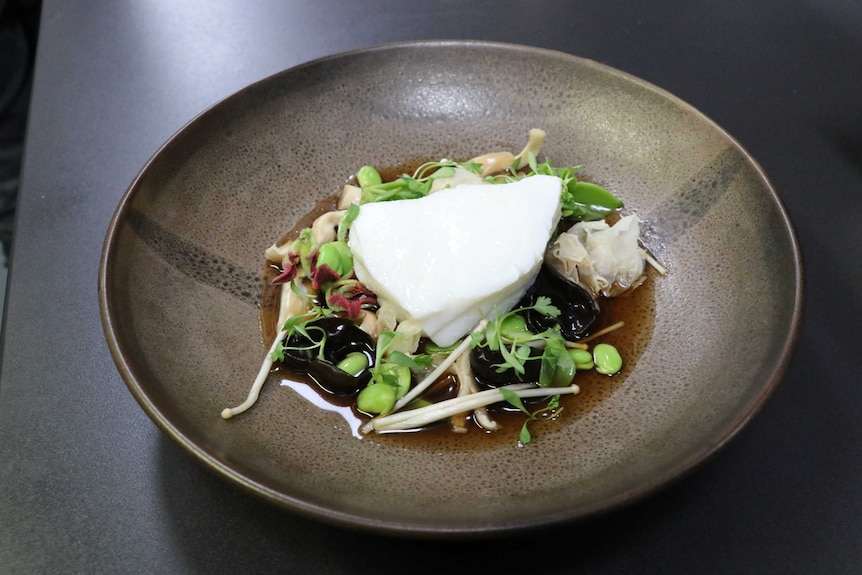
(607, 358)
(336, 255)
(376, 398)
(582, 358)
(368, 176)
(401, 377)
(514, 327)
(353, 363)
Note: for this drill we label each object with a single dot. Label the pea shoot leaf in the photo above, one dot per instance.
(278, 353)
(347, 219)
(524, 437)
(444, 172)
(550, 411)
(415, 362)
(512, 399)
(474, 167)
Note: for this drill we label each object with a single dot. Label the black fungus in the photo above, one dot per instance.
(578, 309)
(340, 337)
(578, 312)
(484, 362)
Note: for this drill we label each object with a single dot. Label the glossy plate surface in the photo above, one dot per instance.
(180, 283)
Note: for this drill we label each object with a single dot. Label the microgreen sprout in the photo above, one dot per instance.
(474, 167)
(351, 214)
(417, 185)
(305, 331)
(514, 350)
(551, 411)
(297, 324)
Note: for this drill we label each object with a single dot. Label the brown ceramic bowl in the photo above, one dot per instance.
(180, 284)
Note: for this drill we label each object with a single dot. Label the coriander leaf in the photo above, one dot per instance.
(544, 306)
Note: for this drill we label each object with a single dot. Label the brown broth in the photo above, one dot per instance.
(635, 309)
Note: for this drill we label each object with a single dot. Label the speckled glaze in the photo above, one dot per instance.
(180, 283)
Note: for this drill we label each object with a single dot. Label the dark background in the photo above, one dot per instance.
(89, 485)
(19, 31)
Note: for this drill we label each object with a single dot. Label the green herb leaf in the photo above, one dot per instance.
(512, 359)
(524, 437)
(293, 322)
(558, 367)
(516, 164)
(474, 167)
(278, 353)
(551, 411)
(444, 172)
(544, 306)
(531, 161)
(384, 340)
(434, 349)
(415, 363)
(346, 220)
(476, 339)
(513, 400)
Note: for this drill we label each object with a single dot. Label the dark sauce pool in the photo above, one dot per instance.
(636, 310)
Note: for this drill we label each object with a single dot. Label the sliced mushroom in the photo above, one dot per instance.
(494, 163)
(325, 228)
(278, 253)
(463, 371)
(292, 303)
(537, 139)
(368, 323)
(498, 162)
(350, 194)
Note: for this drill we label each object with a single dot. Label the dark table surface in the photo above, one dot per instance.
(89, 485)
